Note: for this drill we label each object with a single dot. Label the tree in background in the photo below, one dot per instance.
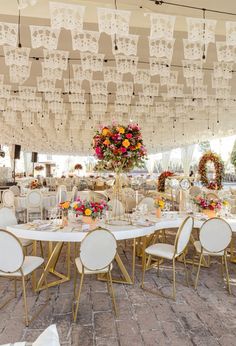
(204, 146)
(233, 156)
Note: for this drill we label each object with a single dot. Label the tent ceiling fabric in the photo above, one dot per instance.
(85, 64)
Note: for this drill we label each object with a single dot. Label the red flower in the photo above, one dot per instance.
(129, 135)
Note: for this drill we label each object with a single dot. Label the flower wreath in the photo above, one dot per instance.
(219, 168)
(162, 180)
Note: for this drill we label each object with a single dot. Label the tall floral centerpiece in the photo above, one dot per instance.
(120, 149)
(209, 206)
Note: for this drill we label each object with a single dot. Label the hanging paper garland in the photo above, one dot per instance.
(162, 179)
(219, 171)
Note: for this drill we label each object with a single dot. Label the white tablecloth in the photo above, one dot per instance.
(72, 234)
(49, 200)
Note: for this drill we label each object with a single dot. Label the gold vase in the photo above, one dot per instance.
(158, 213)
(89, 221)
(210, 213)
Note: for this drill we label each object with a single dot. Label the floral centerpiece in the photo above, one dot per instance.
(34, 185)
(88, 209)
(209, 206)
(161, 180)
(159, 204)
(78, 166)
(219, 170)
(39, 168)
(119, 148)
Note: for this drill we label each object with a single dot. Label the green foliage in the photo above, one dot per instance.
(233, 155)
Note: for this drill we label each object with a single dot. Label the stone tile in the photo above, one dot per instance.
(82, 335)
(104, 324)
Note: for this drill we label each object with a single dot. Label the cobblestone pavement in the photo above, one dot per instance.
(204, 317)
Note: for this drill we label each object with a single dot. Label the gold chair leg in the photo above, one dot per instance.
(227, 273)
(112, 293)
(186, 270)
(75, 280)
(78, 297)
(15, 287)
(25, 302)
(198, 271)
(174, 288)
(143, 269)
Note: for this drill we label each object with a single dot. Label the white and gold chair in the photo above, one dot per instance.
(8, 218)
(34, 204)
(16, 190)
(8, 199)
(97, 251)
(214, 238)
(171, 252)
(14, 264)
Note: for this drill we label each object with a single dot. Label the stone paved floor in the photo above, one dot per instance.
(204, 317)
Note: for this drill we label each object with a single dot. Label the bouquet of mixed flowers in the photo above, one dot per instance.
(119, 148)
(208, 203)
(89, 208)
(159, 203)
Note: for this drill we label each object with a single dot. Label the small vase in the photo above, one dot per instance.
(210, 213)
(158, 213)
(89, 221)
(64, 219)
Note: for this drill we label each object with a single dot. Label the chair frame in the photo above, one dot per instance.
(109, 281)
(212, 254)
(40, 207)
(27, 320)
(183, 253)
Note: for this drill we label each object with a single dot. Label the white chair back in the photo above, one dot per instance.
(149, 202)
(211, 195)
(183, 235)
(215, 235)
(34, 199)
(15, 189)
(7, 217)
(97, 196)
(8, 199)
(62, 194)
(11, 253)
(98, 249)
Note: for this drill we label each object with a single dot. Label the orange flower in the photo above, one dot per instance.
(105, 131)
(126, 143)
(106, 142)
(138, 145)
(88, 212)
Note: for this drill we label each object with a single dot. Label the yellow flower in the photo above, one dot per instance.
(138, 145)
(161, 204)
(106, 142)
(88, 212)
(66, 205)
(121, 130)
(105, 131)
(126, 143)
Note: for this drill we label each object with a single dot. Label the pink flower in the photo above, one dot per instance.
(129, 135)
(123, 150)
(98, 151)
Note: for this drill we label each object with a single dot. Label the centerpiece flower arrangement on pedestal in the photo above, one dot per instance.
(89, 210)
(159, 205)
(78, 166)
(119, 149)
(209, 206)
(34, 185)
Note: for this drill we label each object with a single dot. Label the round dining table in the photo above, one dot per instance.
(73, 233)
